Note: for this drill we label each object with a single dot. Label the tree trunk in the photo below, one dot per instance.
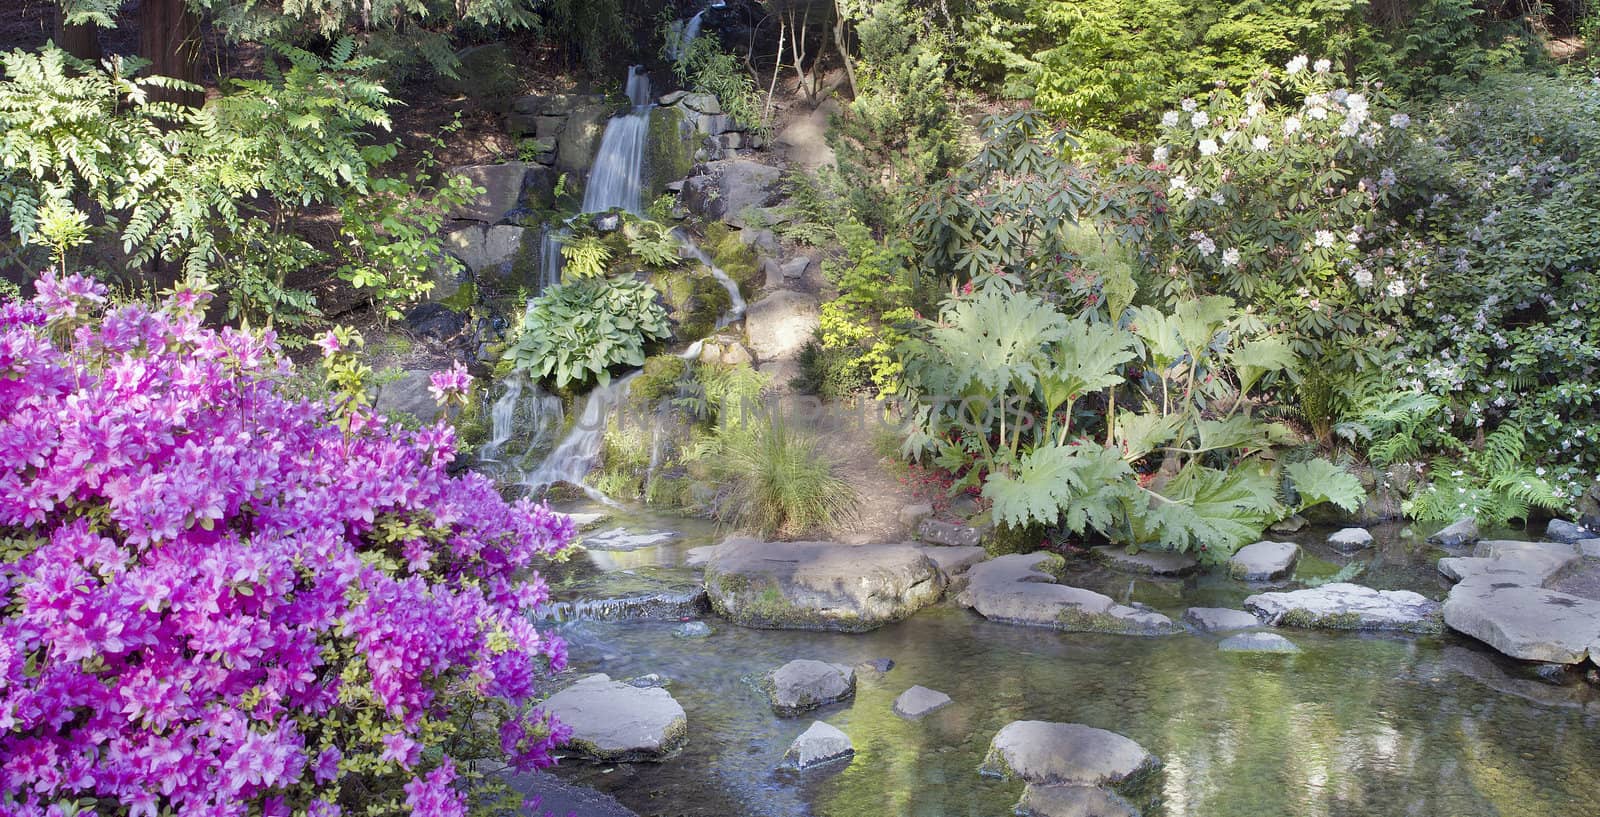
(841, 43)
(81, 41)
(169, 37)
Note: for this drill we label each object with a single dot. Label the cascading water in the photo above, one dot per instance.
(687, 32)
(735, 299)
(525, 416)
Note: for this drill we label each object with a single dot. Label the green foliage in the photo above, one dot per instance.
(859, 330)
(575, 332)
(652, 243)
(585, 256)
(706, 67)
(776, 481)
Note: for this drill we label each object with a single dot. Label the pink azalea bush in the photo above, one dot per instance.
(220, 599)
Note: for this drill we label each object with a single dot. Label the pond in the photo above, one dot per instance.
(1355, 724)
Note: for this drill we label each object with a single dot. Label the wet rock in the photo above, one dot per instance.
(938, 532)
(819, 585)
(1290, 525)
(803, 685)
(614, 722)
(778, 325)
(1065, 754)
(1588, 548)
(1344, 606)
(623, 540)
(697, 556)
(485, 249)
(588, 521)
(1530, 564)
(1560, 530)
(912, 515)
(557, 796)
(1146, 562)
(1072, 801)
(876, 668)
(1264, 561)
(650, 681)
(579, 139)
(692, 629)
(1458, 533)
(1529, 623)
(819, 745)
(701, 103)
(641, 594)
(1219, 619)
(954, 560)
(918, 701)
(1257, 642)
(673, 98)
(435, 321)
(1351, 539)
(1021, 589)
(502, 191)
(608, 223)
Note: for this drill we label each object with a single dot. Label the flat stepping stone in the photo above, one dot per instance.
(613, 721)
(644, 594)
(1065, 754)
(623, 540)
(819, 585)
(938, 532)
(1290, 525)
(803, 685)
(1264, 561)
(1021, 589)
(1257, 642)
(919, 701)
(1146, 562)
(1525, 622)
(1560, 530)
(1345, 606)
(1456, 534)
(1351, 539)
(1530, 564)
(692, 629)
(1219, 619)
(819, 745)
(1588, 548)
(954, 560)
(588, 521)
(1072, 801)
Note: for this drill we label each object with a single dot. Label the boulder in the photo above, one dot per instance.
(1264, 561)
(692, 629)
(803, 685)
(818, 745)
(725, 350)
(729, 188)
(1065, 754)
(1146, 562)
(953, 534)
(701, 103)
(1530, 564)
(1458, 533)
(795, 269)
(1072, 801)
(615, 722)
(1219, 619)
(557, 796)
(919, 701)
(1344, 606)
(502, 191)
(1351, 539)
(579, 138)
(954, 560)
(819, 585)
(764, 241)
(485, 249)
(1588, 548)
(1021, 589)
(435, 321)
(673, 98)
(1560, 530)
(408, 394)
(778, 325)
(912, 515)
(1290, 525)
(1257, 642)
(1529, 623)
(876, 668)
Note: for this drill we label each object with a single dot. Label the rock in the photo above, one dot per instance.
(608, 223)
(1458, 533)
(1264, 561)
(701, 103)
(876, 668)
(714, 125)
(557, 796)
(1530, 564)
(1219, 619)
(1020, 589)
(1344, 606)
(485, 249)
(408, 394)
(819, 585)
(1146, 562)
(579, 139)
(695, 557)
(803, 685)
(588, 521)
(650, 681)
(1588, 548)
(435, 321)
(692, 629)
(502, 185)
(763, 240)
(727, 351)
(1072, 801)
(614, 722)
(1257, 642)
(623, 540)
(731, 140)
(640, 594)
(671, 99)
(795, 269)
(1065, 754)
(1351, 539)
(1529, 623)
(952, 534)
(1560, 530)
(778, 325)
(818, 745)
(954, 560)
(919, 701)
(729, 188)
(1290, 525)
(912, 515)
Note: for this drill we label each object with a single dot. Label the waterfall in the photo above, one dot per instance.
(687, 32)
(550, 256)
(500, 416)
(619, 166)
(524, 414)
(576, 455)
(735, 299)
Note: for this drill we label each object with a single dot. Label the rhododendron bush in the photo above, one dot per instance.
(219, 598)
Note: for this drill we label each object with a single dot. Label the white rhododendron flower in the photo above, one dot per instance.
(1230, 257)
(1363, 277)
(1169, 119)
(1297, 64)
(1189, 105)
(1323, 66)
(1397, 288)
(1200, 119)
(1208, 147)
(1324, 239)
(1291, 126)
(1400, 121)
(1261, 142)
(1162, 153)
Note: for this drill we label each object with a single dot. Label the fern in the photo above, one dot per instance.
(585, 256)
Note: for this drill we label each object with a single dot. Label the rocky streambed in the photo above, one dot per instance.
(1360, 701)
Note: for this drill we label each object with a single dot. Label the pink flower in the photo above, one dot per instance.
(329, 342)
(450, 384)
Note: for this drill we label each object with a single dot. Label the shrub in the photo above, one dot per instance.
(776, 481)
(575, 332)
(218, 598)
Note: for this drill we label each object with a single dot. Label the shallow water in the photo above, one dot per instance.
(1353, 725)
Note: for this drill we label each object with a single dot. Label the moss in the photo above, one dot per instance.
(669, 150)
(1004, 540)
(1307, 620)
(734, 257)
(464, 299)
(697, 301)
(659, 378)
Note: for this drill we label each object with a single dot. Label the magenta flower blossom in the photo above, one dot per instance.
(329, 343)
(450, 384)
(208, 573)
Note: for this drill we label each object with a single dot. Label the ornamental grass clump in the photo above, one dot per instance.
(217, 598)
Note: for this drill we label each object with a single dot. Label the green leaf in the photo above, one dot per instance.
(1318, 481)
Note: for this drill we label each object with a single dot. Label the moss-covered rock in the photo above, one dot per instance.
(669, 150)
(820, 585)
(735, 258)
